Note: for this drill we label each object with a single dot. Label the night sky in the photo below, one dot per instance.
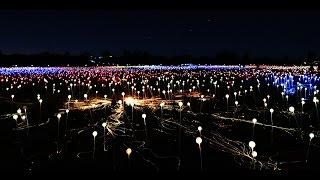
(269, 33)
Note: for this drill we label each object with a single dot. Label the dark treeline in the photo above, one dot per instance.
(139, 57)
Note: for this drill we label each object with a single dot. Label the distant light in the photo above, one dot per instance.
(252, 144)
(161, 104)
(199, 140)
(254, 154)
(94, 134)
(291, 109)
(128, 151)
(15, 117)
(254, 120)
(311, 135)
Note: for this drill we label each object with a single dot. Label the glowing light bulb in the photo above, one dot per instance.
(15, 117)
(128, 151)
(291, 109)
(199, 140)
(94, 133)
(104, 125)
(144, 116)
(311, 135)
(254, 154)
(254, 120)
(252, 144)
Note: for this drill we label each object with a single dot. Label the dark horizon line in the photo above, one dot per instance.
(164, 5)
(138, 52)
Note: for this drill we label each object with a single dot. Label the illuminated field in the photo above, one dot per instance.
(264, 119)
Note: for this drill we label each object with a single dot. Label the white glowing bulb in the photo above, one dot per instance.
(23, 117)
(227, 96)
(188, 104)
(264, 99)
(291, 109)
(236, 103)
(254, 120)
(58, 116)
(15, 117)
(128, 151)
(69, 97)
(105, 96)
(144, 116)
(104, 125)
(94, 134)
(303, 102)
(162, 104)
(40, 101)
(315, 99)
(122, 93)
(198, 140)
(311, 135)
(67, 111)
(271, 110)
(12, 96)
(252, 144)
(254, 154)
(200, 128)
(180, 103)
(85, 96)
(19, 111)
